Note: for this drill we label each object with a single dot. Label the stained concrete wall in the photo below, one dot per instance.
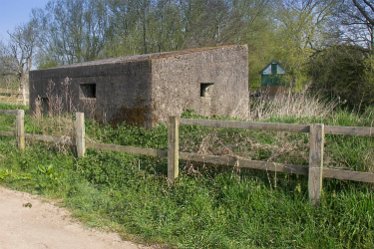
(176, 83)
(146, 89)
(122, 90)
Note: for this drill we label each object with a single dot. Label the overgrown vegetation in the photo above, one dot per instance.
(344, 73)
(209, 206)
(296, 105)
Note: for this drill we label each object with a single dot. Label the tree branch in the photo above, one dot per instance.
(363, 12)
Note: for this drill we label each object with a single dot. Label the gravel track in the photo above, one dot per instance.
(28, 222)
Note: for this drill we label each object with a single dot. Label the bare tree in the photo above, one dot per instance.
(17, 55)
(357, 19)
(73, 30)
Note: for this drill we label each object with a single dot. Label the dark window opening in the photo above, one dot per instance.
(88, 90)
(206, 89)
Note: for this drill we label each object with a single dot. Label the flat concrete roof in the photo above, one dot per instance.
(144, 57)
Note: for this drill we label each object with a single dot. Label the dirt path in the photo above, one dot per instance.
(44, 225)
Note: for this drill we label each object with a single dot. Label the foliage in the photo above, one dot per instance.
(290, 31)
(344, 72)
(16, 58)
(303, 28)
(71, 31)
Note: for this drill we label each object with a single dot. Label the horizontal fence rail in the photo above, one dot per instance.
(334, 130)
(7, 133)
(244, 163)
(127, 149)
(351, 131)
(350, 175)
(9, 112)
(10, 96)
(314, 171)
(8, 91)
(66, 140)
(246, 125)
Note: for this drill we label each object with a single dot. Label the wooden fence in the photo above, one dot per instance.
(10, 96)
(315, 170)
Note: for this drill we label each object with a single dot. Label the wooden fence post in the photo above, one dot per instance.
(80, 134)
(173, 149)
(316, 140)
(20, 129)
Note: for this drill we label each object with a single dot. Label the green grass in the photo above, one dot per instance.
(209, 206)
(221, 209)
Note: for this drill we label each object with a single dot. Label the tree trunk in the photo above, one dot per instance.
(24, 90)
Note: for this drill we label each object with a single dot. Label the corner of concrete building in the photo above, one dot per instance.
(176, 83)
(152, 120)
(33, 79)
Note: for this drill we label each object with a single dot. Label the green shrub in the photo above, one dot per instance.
(344, 72)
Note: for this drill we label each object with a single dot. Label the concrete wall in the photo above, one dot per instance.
(122, 90)
(176, 83)
(145, 90)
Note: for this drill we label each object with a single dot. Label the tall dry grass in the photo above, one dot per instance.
(298, 105)
(53, 114)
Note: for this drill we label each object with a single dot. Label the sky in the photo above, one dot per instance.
(16, 12)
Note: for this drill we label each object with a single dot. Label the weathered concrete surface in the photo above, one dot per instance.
(176, 83)
(121, 90)
(26, 222)
(146, 89)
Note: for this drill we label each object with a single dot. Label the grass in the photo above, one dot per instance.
(298, 105)
(209, 206)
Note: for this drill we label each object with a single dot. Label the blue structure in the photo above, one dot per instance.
(272, 75)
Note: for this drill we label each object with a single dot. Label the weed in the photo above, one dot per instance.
(208, 206)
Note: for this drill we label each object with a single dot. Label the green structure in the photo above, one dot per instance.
(272, 75)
